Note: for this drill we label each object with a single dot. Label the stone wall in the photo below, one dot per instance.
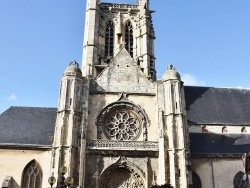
(13, 162)
(217, 172)
(135, 169)
(146, 102)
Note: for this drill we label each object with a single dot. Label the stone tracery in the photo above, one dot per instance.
(122, 174)
(122, 120)
(122, 126)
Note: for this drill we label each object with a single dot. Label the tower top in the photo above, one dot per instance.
(110, 26)
(171, 74)
(143, 2)
(73, 69)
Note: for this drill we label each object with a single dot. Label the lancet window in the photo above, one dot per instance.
(239, 180)
(109, 40)
(196, 180)
(32, 175)
(129, 37)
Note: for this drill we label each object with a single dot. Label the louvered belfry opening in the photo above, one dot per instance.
(109, 41)
(129, 37)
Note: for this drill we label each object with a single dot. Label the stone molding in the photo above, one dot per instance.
(119, 6)
(137, 177)
(122, 145)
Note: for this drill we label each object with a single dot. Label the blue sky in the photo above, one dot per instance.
(208, 41)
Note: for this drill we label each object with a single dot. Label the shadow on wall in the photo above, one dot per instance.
(211, 143)
(208, 105)
(9, 182)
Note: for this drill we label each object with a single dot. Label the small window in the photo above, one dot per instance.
(32, 175)
(109, 40)
(224, 130)
(243, 130)
(129, 40)
(204, 129)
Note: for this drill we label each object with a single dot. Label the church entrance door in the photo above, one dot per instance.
(123, 178)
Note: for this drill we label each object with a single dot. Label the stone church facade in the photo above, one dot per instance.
(117, 126)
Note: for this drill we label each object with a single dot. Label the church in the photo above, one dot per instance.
(117, 126)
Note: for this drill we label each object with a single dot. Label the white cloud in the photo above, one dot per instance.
(12, 97)
(191, 80)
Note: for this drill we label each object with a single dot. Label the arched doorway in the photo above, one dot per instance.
(121, 178)
(120, 175)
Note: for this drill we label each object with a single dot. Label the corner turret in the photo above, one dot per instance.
(171, 74)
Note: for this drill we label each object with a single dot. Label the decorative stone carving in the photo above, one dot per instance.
(122, 174)
(98, 144)
(122, 125)
(123, 74)
(111, 5)
(122, 120)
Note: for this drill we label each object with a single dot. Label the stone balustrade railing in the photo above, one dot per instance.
(121, 6)
(123, 145)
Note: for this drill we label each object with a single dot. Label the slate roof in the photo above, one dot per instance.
(208, 105)
(211, 143)
(27, 125)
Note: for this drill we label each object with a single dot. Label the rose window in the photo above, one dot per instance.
(122, 125)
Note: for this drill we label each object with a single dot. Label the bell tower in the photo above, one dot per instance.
(109, 27)
(116, 125)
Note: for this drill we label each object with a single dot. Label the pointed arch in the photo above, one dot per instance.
(196, 180)
(238, 181)
(121, 174)
(32, 175)
(129, 37)
(109, 40)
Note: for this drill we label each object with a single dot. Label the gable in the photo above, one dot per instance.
(123, 75)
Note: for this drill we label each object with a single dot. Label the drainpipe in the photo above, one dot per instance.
(212, 168)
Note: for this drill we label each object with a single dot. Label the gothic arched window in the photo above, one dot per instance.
(109, 40)
(129, 37)
(32, 175)
(196, 180)
(239, 181)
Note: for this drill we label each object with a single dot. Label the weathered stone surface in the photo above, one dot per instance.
(123, 75)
